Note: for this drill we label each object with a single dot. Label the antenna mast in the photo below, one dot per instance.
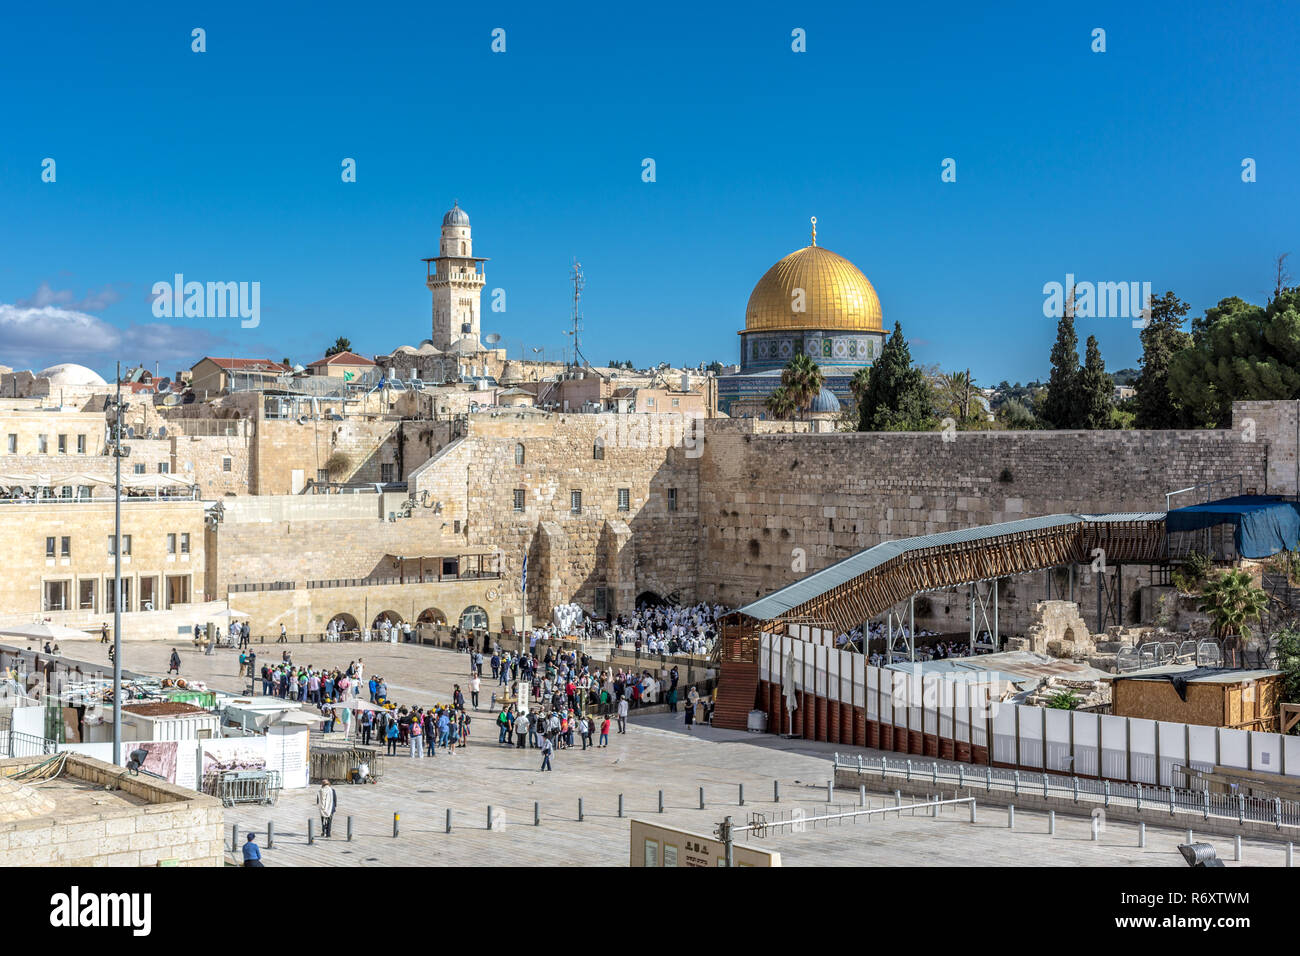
(579, 282)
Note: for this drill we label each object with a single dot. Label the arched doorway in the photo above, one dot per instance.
(649, 599)
(474, 617)
(342, 623)
(431, 615)
(392, 617)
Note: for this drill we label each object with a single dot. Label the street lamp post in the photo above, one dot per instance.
(117, 571)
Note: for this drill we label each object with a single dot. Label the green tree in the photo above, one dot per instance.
(1013, 414)
(897, 396)
(1095, 388)
(341, 344)
(780, 404)
(1061, 408)
(1240, 352)
(1286, 645)
(953, 395)
(1232, 601)
(803, 379)
(1162, 338)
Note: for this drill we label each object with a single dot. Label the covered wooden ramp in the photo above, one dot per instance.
(852, 592)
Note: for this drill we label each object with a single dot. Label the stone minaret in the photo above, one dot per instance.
(456, 280)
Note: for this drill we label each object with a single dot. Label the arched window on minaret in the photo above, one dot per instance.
(462, 247)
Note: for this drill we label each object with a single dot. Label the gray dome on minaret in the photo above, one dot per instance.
(456, 216)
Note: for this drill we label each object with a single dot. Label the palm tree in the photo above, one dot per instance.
(1232, 601)
(803, 379)
(780, 404)
(952, 394)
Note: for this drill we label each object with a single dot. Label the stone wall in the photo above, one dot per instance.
(1277, 424)
(172, 824)
(775, 507)
(651, 546)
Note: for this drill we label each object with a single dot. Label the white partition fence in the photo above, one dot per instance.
(842, 699)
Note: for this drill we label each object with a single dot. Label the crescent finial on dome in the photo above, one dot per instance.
(814, 230)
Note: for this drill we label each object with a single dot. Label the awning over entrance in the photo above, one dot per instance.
(1262, 525)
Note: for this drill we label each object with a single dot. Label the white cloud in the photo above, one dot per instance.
(94, 301)
(37, 336)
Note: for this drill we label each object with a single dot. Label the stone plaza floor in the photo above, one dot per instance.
(657, 753)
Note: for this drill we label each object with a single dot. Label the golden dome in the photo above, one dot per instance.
(836, 295)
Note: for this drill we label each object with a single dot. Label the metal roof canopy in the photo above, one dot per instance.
(835, 594)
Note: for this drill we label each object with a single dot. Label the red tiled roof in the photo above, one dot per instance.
(243, 364)
(342, 358)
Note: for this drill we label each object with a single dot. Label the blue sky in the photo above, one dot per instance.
(225, 166)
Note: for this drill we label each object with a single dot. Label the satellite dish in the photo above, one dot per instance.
(189, 399)
(492, 338)
(298, 370)
(171, 400)
(162, 386)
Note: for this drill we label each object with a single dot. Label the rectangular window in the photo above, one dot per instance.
(81, 444)
(171, 544)
(13, 444)
(226, 465)
(672, 499)
(178, 590)
(138, 468)
(56, 595)
(109, 595)
(65, 547)
(63, 444)
(126, 545)
(387, 473)
(322, 476)
(650, 402)
(86, 594)
(149, 594)
(519, 499)
(676, 402)
(49, 547)
(625, 499)
(164, 468)
(185, 543)
(42, 444)
(575, 502)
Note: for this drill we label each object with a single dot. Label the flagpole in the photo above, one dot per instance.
(117, 572)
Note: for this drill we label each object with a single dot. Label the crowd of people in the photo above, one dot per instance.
(651, 629)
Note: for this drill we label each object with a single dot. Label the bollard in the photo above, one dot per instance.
(620, 804)
(1190, 838)
(742, 794)
(1236, 848)
(830, 790)
(1290, 848)
(489, 816)
(270, 834)
(349, 828)
(1011, 816)
(537, 814)
(661, 801)
(701, 798)
(234, 838)
(862, 795)
(397, 817)
(898, 802)
(1142, 836)
(776, 789)
(972, 810)
(311, 831)
(1096, 828)
(934, 807)
(580, 809)
(449, 819)
(1051, 823)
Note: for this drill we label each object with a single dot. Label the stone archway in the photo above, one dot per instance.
(346, 622)
(392, 616)
(432, 615)
(473, 618)
(650, 599)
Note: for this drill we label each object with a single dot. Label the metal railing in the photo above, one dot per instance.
(18, 744)
(1105, 793)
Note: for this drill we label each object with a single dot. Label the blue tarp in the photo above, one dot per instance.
(1262, 525)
